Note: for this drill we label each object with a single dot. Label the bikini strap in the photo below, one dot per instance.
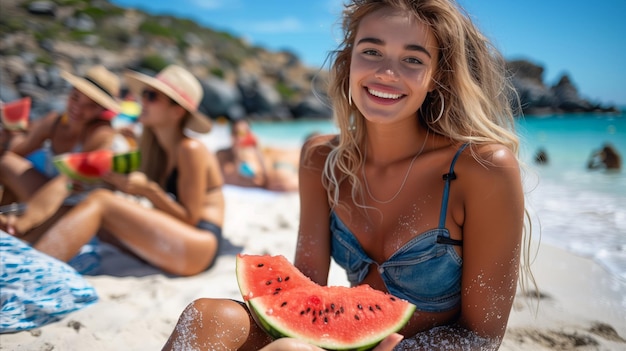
(448, 177)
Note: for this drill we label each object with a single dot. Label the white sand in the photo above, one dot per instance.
(138, 308)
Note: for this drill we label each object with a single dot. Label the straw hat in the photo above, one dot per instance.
(99, 84)
(178, 84)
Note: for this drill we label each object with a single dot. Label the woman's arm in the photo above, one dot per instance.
(37, 133)
(192, 164)
(493, 217)
(98, 136)
(313, 245)
(492, 241)
(41, 206)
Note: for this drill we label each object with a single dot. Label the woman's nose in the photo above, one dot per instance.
(386, 72)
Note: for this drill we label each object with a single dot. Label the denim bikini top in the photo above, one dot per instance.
(425, 271)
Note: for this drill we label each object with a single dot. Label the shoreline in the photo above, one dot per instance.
(582, 305)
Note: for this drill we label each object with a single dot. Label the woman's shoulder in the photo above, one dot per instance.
(316, 149)
(488, 162)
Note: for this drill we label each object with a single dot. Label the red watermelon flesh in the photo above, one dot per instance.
(331, 317)
(264, 275)
(85, 166)
(15, 114)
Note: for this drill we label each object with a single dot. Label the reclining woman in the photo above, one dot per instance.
(247, 164)
(180, 232)
(26, 169)
(420, 193)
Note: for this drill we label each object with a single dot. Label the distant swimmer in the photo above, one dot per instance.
(541, 157)
(607, 158)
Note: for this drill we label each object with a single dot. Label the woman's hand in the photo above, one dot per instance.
(289, 344)
(11, 224)
(135, 183)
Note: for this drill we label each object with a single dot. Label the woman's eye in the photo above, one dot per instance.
(414, 60)
(370, 52)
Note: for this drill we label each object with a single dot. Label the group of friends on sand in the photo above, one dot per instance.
(419, 194)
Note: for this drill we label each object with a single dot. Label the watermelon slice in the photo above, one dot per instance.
(278, 273)
(15, 114)
(331, 317)
(91, 166)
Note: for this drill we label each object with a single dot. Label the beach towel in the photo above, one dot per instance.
(36, 289)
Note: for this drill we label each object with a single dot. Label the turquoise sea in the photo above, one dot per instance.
(573, 208)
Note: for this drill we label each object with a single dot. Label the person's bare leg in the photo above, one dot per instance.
(212, 324)
(158, 238)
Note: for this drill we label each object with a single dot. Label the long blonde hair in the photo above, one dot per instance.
(472, 102)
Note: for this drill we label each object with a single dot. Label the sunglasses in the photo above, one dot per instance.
(150, 95)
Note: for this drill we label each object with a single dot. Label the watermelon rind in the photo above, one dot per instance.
(63, 168)
(15, 114)
(62, 165)
(126, 162)
(256, 276)
(278, 328)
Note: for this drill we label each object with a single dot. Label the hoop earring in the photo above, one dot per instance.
(442, 107)
(350, 96)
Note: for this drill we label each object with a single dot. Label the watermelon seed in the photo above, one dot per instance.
(325, 320)
(321, 312)
(357, 317)
(332, 306)
(337, 313)
(359, 306)
(279, 279)
(286, 278)
(277, 291)
(341, 309)
(392, 298)
(302, 313)
(326, 310)
(268, 282)
(260, 265)
(308, 309)
(283, 304)
(378, 308)
(371, 309)
(314, 319)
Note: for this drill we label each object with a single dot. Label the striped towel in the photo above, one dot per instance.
(36, 289)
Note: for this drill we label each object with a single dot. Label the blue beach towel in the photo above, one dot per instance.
(36, 289)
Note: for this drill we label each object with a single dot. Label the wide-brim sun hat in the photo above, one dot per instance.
(99, 84)
(179, 85)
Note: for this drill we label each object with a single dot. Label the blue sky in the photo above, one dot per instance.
(584, 39)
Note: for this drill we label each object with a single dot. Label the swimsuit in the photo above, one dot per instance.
(426, 271)
(171, 187)
(43, 158)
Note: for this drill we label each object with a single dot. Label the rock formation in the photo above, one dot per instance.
(40, 38)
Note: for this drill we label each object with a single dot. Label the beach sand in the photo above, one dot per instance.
(581, 305)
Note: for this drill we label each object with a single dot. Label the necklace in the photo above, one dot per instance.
(406, 176)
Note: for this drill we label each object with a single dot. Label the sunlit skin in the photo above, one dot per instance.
(78, 129)
(393, 63)
(485, 205)
(164, 235)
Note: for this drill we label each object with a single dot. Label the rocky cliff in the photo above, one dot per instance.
(39, 38)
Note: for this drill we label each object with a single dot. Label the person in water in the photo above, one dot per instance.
(605, 158)
(419, 195)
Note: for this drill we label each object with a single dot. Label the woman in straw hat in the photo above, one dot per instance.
(26, 166)
(181, 232)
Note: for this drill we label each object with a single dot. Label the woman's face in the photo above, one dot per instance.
(156, 109)
(393, 62)
(82, 109)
